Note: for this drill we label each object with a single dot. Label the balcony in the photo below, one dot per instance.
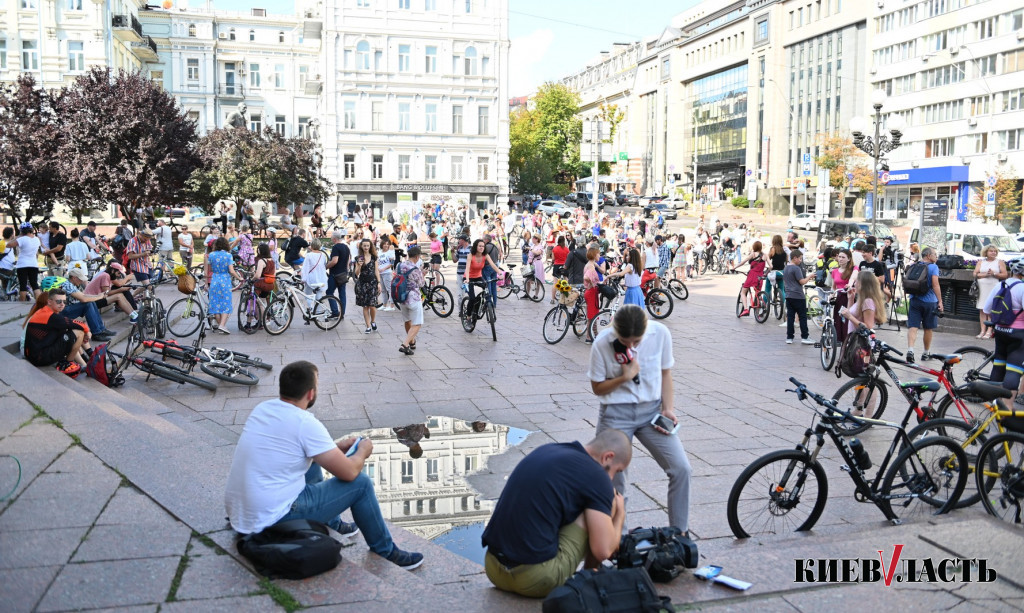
(230, 90)
(127, 28)
(145, 50)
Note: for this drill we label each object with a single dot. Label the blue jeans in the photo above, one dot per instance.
(324, 501)
(491, 277)
(776, 276)
(92, 315)
(331, 286)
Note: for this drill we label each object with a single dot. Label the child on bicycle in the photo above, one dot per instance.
(753, 281)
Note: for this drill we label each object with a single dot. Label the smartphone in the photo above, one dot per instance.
(665, 423)
(352, 449)
(708, 572)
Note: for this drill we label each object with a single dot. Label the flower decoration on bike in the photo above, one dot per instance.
(563, 286)
(179, 270)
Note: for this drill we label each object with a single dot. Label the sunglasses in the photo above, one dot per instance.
(60, 301)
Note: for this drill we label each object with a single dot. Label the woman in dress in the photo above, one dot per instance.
(987, 273)
(537, 256)
(386, 266)
(246, 253)
(591, 279)
(367, 283)
(842, 279)
(219, 273)
(631, 279)
(753, 281)
(679, 259)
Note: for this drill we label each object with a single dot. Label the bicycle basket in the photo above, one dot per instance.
(186, 284)
(568, 299)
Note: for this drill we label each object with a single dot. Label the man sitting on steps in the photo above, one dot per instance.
(557, 509)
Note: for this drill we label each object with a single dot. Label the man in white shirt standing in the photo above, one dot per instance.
(277, 471)
(164, 241)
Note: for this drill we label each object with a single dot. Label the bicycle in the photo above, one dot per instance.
(135, 344)
(152, 315)
(9, 288)
(278, 314)
(432, 277)
(250, 307)
(766, 497)
(1004, 499)
(675, 286)
(222, 364)
(560, 317)
(759, 304)
(483, 309)
(658, 302)
(778, 304)
(439, 299)
(531, 287)
(829, 343)
(185, 314)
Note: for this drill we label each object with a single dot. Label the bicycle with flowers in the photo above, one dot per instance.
(185, 314)
(571, 310)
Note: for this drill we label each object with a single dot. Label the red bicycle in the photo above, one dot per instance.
(760, 305)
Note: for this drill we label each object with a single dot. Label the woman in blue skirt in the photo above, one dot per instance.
(631, 279)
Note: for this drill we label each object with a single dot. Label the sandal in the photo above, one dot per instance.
(405, 349)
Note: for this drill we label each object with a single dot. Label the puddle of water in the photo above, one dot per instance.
(420, 470)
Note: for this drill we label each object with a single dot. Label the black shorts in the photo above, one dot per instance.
(28, 278)
(435, 258)
(53, 353)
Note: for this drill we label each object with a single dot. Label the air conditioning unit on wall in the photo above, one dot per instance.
(223, 36)
(972, 121)
(1001, 157)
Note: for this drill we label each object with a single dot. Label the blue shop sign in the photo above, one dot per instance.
(940, 174)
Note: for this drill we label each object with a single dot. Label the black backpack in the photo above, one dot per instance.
(293, 549)
(917, 281)
(607, 590)
(1002, 313)
(855, 356)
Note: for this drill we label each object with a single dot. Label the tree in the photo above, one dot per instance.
(611, 114)
(124, 140)
(544, 143)
(29, 137)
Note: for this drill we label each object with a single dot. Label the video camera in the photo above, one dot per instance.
(658, 550)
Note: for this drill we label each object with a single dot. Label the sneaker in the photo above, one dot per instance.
(745, 313)
(405, 559)
(348, 529)
(789, 341)
(806, 341)
(783, 325)
(224, 331)
(374, 326)
(910, 356)
(367, 331)
(134, 317)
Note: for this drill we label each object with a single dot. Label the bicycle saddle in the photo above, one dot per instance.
(948, 359)
(317, 285)
(985, 391)
(924, 385)
(510, 266)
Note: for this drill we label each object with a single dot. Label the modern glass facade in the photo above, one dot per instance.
(720, 109)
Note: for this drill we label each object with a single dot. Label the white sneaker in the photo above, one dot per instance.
(806, 341)
(789, 341)
(783, 325)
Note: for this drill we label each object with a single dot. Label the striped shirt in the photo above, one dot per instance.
(138, 264)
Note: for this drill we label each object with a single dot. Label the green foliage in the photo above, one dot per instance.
(281, 596)
(545, 141)
(740, 202)
(759, 204)
(729, 193)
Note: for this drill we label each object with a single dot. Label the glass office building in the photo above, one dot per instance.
(720, 109)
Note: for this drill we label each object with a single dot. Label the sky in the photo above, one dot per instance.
(550, 39)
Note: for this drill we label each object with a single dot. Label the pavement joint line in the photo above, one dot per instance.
(172, 593)
(945, 548)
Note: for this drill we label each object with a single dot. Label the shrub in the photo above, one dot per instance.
(759, 204)
(729, 192)
(740, 202)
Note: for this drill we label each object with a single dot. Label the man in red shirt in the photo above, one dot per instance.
(50, 337)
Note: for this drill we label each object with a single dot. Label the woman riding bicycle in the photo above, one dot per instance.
(475, 270)
(777, 258)
(753, 280)
(842, 279)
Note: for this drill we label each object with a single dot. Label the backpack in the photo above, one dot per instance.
(119, 241)
(917, 281)
(855, 356)
(1002, 313)
(400, 286)
(103, 368)
(606, 591)
(293, 549)
(820, 272)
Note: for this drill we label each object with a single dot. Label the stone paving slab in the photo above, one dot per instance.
(210, 574)
(252, 604)
(22, 588)
(93, 585)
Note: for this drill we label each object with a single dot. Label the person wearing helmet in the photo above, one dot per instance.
(80, 304)
(1008, 358)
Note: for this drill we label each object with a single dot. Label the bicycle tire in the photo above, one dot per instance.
(441, 301)
(322, 310)
(491, 317)
(815, 312)
(534, 289)
(829, 345)
(878, 396)
(439, 281)
(778, 305)
(739, 304)
(763, 308)
(171, 373)
(972, 360)
(678, 289)
(184, 316)
(250, 313)
(579, 321)
(277, 317)
(229, 372)
(602, 320)
(1006, 498)
(659, 303)
(556, 324)
(779, 504)
(206, 230)
(960, 432)
(504, 291)
(933, 472)
(467, 318)
(247, 360)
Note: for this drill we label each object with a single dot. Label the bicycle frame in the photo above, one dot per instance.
(943, 375)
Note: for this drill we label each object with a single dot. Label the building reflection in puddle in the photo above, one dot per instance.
(419, 472)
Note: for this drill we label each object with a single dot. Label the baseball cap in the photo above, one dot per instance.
(78, 270)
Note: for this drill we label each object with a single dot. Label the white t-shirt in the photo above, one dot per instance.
(654, 353)
(76, 251)
(385, 260)
(268, 471)
(184, 241)
(164, 242)
(28, 252)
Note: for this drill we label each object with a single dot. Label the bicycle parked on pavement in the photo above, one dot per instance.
(135, 344)
(152, 315)
(313, 307)
(571, 311)
(438, 298)
(531, 288)
(219, 363)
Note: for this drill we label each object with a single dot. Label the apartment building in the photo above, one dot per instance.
(415, 101)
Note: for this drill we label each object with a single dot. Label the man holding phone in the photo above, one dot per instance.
(630, 372)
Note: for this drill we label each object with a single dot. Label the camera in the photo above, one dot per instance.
(661, 551)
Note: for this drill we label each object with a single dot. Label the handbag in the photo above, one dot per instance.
(606, 591)
(975, 290)
(293, 549)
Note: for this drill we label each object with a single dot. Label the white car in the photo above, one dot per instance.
(804, 221)
(676, 203)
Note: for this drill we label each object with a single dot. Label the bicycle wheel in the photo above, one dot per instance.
(441, 301)
(1006, 498)
(171, 373)
(438, 279)
(975, 364)
(659, 303)
(678, 289)
(184, 316)
(815, 311)
(739, 304)
(248, 360)
(556, 324)
(534, 289)
(763, 308)
(491, 317)
(322, 313)
(579, 321)
(778, 305)
(160, 318)
(206, 230)
(767, 496)
(250, 313)
(468, 318)
(829, 345)
(926, 479)
(602, 320)
(232, 373)
(504, 290)
(860, 394)
(277, 316)
(971, 442)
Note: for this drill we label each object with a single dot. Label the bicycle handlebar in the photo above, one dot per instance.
(831, 410)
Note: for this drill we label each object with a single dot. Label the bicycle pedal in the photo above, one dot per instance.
(817, 345)
(845, 468)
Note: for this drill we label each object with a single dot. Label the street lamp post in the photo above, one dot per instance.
(879, 145)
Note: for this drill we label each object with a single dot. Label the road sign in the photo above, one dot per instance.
(807, 158)
(623, 156)
(990, 196)
(750, 173)
(807, 170)
(990, 210)
(885, 177)
(991, 181)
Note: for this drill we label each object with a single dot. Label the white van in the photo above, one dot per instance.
(969, 238)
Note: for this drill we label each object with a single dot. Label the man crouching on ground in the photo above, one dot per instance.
(558, 509)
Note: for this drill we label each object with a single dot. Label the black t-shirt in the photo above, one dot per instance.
(547, 490)
(87, 234)
(295, 245)
(58, 240)
(343, 254)
(876, 267)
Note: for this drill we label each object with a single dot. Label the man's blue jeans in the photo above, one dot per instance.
(92, 315)
(325, 499)
(331, 287)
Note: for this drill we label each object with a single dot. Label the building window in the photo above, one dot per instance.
(279, 125)
(471, 463)
(403, 58)
(432, 507)
(363, 55)
(431, 60)
(29, 55)
(666, 68)
(407, 478)
(378, 57)
(28, 4)
(3, 53)
(377, 116)
(943, 111)
(74, 5)
(457, 119)
(193, 116)
(986, 28)
(469, 6)
(303, 76)
(430, 167)
(980, 105)
(485, 65)
(350, 166)
(256, 123)
(432, 475)
(938, 147)
(350, 115)
(1013, 61)
(403, 4)
(457, 168)
(363, 3)
(252, 35)
(406, 507)
(419, 505)
(280, 37)
(986, 66)
(254, 75)
(403, 117)
(192, 69)
(404, 163)
(279, 76)
(482, 168)
(977, 143)
(431, 118)
(1015, 20)
(377, 167)
(762, 31)
(303, 127)
(76, 55)
(430, 5)
(157, 77)
(470, 61)
(483, 120)
(1010, 140)
(1013, 100)
(191, 30)
(231, 34)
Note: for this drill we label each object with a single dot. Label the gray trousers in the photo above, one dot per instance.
(667, 451)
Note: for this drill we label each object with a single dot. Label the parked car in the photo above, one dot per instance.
(667, 211)
(549, 207)
(805, 221)
(627, 200)
(676, 203)
(837, 229)
(645, 200)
